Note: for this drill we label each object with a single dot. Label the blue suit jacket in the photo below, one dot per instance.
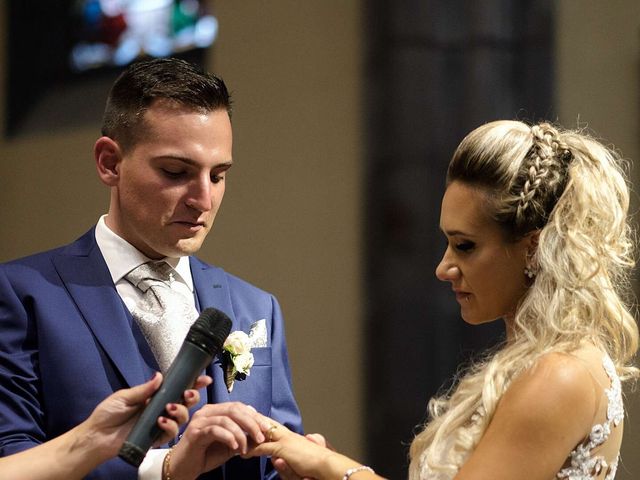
(67, 341)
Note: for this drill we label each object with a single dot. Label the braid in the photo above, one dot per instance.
(541, 178)
(535, 175)
(534, 170)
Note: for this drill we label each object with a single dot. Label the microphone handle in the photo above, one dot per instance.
(181, 376)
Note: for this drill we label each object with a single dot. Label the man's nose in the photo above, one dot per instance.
(199, 195)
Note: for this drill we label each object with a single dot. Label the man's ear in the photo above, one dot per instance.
(108, 156)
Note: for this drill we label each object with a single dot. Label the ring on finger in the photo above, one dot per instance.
(269, 432)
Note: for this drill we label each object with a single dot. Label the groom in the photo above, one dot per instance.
(72, 320)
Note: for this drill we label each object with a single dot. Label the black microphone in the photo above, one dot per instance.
(203, 341)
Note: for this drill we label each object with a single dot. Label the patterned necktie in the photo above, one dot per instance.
(164, 315)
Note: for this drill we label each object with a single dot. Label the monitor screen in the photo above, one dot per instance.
(117, 32)
(64, 54)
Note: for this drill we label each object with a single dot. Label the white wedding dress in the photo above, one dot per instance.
(593, 459)
(585, 461)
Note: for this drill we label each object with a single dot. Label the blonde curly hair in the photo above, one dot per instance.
(573, 190)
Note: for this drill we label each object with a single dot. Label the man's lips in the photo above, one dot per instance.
(190, 224)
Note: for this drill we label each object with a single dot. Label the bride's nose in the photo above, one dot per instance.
(447, 270)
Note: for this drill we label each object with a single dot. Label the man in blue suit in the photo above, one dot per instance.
(69, 333)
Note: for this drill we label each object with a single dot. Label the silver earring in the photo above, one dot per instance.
(529, 272)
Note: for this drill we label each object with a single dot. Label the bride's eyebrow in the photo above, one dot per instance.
(453, 233)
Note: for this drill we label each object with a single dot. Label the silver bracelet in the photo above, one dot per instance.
(351, 471)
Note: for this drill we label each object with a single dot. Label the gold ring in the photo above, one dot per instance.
(269, 432)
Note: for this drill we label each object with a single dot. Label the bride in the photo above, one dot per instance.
(537, 235)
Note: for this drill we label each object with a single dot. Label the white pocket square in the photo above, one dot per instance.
(258, 334)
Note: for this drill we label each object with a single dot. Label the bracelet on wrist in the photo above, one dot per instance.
(351, 471)
(166, 465)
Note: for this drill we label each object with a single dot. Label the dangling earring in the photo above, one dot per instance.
(529, 272)
(531, 268)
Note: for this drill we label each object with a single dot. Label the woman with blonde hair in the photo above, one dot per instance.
(536, 224)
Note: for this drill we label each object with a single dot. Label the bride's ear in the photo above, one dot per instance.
(531, 248)
(532, 239)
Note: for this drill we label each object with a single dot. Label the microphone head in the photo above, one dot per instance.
(210, 330)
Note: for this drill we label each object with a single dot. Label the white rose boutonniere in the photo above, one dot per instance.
(238, 358)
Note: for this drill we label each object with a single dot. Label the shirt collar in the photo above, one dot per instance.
(122, 257)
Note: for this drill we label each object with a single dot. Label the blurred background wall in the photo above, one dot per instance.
(345, 115)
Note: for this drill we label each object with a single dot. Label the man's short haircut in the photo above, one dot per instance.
(169, 79)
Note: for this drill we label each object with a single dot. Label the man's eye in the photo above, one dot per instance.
(465, 246)
(172, 173)
(217, 178)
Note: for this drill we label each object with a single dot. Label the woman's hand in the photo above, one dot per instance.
(112, 420)
(180, 412)
(283, 469)
(295, 456)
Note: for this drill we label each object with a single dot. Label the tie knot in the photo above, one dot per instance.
(144, 276)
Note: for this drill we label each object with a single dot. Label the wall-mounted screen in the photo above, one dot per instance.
(64, 54)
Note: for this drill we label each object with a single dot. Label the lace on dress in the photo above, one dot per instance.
(584, 465)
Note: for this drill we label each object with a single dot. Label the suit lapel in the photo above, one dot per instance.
(212, 290)
(211, 286)
(86, 277)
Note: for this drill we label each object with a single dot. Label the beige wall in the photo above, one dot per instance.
(290, 222)
(598, 59)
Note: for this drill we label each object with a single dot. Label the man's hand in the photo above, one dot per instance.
(216, 433)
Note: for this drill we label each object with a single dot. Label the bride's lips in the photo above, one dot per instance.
(460, 295)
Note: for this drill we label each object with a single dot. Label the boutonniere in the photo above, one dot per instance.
(238, 358)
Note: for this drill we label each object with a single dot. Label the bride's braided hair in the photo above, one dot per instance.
(541, 178)
(523, 193)
(573, 191)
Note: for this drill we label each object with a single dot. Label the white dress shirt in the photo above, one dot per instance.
(122, 257)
